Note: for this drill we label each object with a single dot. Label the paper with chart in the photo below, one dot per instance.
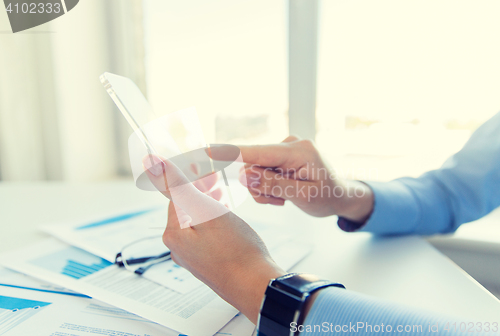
(95, 318)
(106, 236)
(198, 313)
(31, 307)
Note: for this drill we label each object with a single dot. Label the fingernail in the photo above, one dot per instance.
(208, 151)
(186, 223)
(250, 180)
(153, 164)
(275, 201)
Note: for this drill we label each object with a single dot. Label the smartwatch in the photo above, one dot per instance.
(284, 301)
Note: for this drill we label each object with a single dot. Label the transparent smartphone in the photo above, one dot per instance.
(131, 103)
(178, 137)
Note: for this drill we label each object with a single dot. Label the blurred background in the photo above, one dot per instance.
(386, 88)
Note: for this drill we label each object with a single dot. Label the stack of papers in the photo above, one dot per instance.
(85, 293)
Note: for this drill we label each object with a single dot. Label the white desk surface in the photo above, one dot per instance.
(406, 270)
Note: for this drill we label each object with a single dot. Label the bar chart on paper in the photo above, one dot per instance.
(72, 262)
(14, 311)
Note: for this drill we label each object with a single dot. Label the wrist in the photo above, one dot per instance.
(249, 287)
(356, 202)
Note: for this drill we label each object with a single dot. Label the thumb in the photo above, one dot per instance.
(172, 183)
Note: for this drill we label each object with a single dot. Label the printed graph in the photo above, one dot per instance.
(77, 270)
(14, 311)
(72, 262)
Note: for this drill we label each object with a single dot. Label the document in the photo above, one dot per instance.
(106, 236)
(199, 312)
(173, 297)
(33, 307)
(40, 311)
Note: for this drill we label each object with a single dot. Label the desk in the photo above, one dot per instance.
(473, 242)
(407, 270)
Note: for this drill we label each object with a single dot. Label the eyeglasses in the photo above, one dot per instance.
(143, 254)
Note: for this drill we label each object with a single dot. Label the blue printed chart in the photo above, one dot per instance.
(72, 262)
(14, 311)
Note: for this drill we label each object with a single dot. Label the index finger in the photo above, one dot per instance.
(262, 155)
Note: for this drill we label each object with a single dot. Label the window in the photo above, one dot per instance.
(401, 85)
(226, 57)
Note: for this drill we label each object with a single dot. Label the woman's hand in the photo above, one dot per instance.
(294, 170)
(224, 252)
(227, 255)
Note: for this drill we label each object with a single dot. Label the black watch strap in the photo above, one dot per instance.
(284, 301)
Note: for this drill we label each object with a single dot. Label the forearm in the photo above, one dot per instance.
(406, 206)
(462, 190)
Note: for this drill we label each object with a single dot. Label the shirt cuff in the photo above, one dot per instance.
(394, 211)
(348, 225)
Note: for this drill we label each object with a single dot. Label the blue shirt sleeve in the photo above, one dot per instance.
(465, 188)
(342, 312)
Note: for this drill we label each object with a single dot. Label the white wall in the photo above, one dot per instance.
(56, 120)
